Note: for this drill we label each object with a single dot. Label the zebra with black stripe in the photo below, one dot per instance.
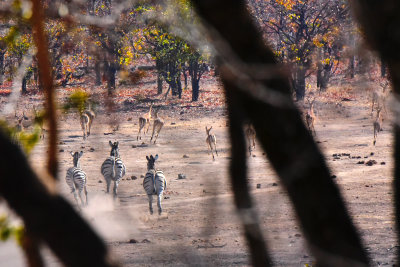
(113, 169)
(76, 178)
(154, 183)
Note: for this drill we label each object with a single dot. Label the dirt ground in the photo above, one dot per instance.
(199, 226)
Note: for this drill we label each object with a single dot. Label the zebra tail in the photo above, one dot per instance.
(113, 167)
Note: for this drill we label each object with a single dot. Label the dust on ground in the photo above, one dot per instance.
(199, 225)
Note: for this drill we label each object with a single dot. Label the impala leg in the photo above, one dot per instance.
(90, 126)
(139, 132)
(155, 138)
(83, 131)
(148, 126)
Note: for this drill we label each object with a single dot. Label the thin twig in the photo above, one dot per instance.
(45, 76)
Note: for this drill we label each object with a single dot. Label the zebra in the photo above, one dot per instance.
(154, 183)
(76, 178)
(113, 169)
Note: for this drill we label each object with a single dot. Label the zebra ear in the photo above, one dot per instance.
(116, 143)
(80, 154)
(156, 157)
(147, 157)
(110, 143)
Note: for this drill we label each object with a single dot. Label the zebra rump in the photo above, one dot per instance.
(154, 182)
(113, 169)
(76, 179)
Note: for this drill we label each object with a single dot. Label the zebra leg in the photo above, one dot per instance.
(108, 181)
(76, 198)
(159, 203)
(115, 188)
(150, 203)
(80, 197)
(85, 190)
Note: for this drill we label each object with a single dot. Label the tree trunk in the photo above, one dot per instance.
(159, 68)
(159, 83)
(179, 85)
(97, 70)
(324, 79)
(111, 78)
(23, 86)
(300, 83)
(25, 80)
(352, 66)
(174, 87)
(185, 77)
(195, 89)
(196, 70)
(319, 75)
(110, 72)
(352, 57)
(2, 66)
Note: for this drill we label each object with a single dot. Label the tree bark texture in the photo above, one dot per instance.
(300, 82)
(97, 71)
(2, 53)
(238, 171)
(46, 79)
(290, 148)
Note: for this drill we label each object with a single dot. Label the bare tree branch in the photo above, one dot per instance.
(48, 217)
(293, 153)
(45, 75)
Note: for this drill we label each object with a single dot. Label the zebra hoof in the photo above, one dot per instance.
(159, 212)
(151, 212)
